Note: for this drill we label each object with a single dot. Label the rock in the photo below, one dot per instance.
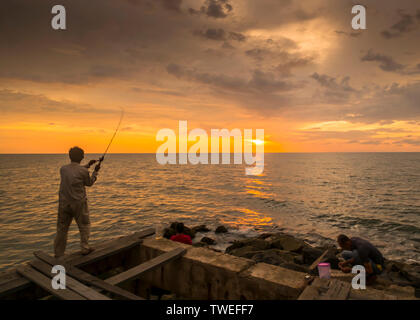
(310, 254)
(200, 228)
(245, 252)
(254, 244)
(173, 225)
(221, 229)
(189, 232)
(403, 293)
(331, 258)
(274, 255)
(208, 240)
(402, 274)
(295, 267)
(412, 274)
(278, 257)
(265, 236)
(169, 232)
(298, 260)
(287, 243)
(200, 244)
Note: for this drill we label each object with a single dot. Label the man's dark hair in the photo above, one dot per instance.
(342, 238)
(180, 227)
(76, 154)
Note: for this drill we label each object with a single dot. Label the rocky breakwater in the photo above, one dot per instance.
(292, 253)
(399, 278)
(282, 250)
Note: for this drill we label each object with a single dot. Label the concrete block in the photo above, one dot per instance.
(266, 281)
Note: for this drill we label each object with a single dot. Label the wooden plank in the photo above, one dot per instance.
(137, 271)
(317, 261)
(115, 247)
(12, 282)
(71, 283)
(45, 283)
(87, 278)
(338, 290)
(13, 286)
(315, 289)
(310, 293)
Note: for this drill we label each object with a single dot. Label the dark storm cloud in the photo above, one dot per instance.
(393, 103)
(285, 68)
(220, 35)
(407, 23)
(237, 36)
(334, 90)
(171, 5)
(349, 34)
(174, 5)
(386, 63)
(212, 34)
(289, 61)
(12, 101)
(214, 8)
(260, 81)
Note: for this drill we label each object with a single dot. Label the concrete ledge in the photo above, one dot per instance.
(266, 281)
(205, 274)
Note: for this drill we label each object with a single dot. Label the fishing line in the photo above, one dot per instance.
(113, 136)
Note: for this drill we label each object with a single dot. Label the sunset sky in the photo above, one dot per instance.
(293, 68)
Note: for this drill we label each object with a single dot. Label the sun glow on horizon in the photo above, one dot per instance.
(258, 141)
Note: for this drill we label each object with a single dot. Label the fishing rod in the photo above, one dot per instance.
(113, 136)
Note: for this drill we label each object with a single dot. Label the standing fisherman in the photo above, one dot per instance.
(73, 201)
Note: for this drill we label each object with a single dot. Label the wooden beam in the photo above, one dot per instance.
(13, 284)
(71, 283)
(317, 261)
(45, 283)
(337, 290)
(310, 293)
(87, 278)
(315, 289)
(115, 247)
(137, 271)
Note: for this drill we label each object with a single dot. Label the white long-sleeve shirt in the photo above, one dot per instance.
(74, 178)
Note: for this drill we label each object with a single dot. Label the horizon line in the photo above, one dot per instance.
(284, 152)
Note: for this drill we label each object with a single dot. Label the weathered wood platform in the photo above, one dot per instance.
(81, 285)
(326, 289)
(28, 278)
(87, 278)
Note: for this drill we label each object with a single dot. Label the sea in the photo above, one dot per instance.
(315, 196)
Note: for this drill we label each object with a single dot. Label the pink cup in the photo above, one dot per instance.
(324, 270)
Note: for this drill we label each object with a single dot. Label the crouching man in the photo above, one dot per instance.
(357, 251)
(72, 203)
